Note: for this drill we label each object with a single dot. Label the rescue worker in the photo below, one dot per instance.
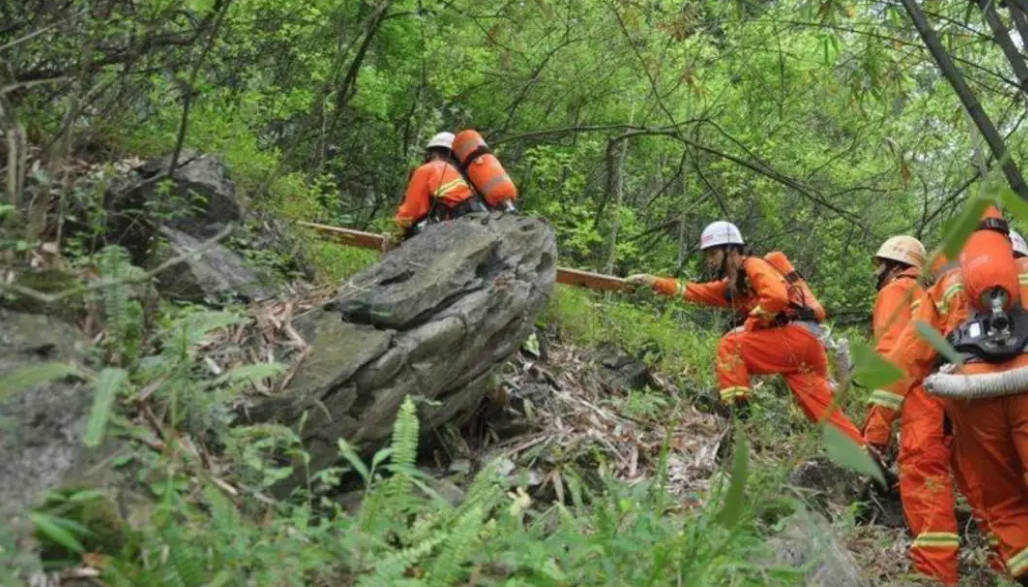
(990, 430)
(436, 191)
(772, 338)
(924, 456)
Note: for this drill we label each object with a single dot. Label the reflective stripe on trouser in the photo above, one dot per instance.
(926, 489)
(797, 355)
(991, 456)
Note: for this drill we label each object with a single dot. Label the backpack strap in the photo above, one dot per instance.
(478, 152)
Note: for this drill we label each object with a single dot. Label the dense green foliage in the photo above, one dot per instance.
(819, 126)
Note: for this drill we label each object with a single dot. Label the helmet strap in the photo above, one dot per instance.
(889, 269)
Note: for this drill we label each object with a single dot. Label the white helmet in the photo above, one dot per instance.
(904, 249)
(720, 233)
(1020, 247)
(443, 140)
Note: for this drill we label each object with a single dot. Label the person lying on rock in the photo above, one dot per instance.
(777, 336)
(436, 191)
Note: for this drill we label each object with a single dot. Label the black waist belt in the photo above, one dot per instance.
(470, 205)
(801, 314)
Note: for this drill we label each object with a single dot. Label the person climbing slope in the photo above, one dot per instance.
(926, 491)
(777, 335)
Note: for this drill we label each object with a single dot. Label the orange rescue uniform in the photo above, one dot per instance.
(925, 487)
(763, 346)
(435, 180)
(990, 444)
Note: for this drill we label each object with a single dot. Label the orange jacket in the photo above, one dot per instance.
(435, 179)
(765, 297)
(895, 304)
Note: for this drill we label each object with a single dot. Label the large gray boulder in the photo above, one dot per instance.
(431, 320)
(215, 273)
(40, 428)
(157, 216)
(198, 198)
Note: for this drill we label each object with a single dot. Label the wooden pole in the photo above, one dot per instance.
(370, 240)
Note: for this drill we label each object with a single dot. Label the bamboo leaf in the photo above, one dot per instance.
(108, 384)
(48, 527)
(870, 370)
(849, 454)
(1014, 203)
(934, 338)
(32, 375)
(85, 495)
(959, 229)
(731, 511)
(355, 461)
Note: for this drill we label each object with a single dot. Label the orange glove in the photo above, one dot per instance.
(752, 323)
(878, 427)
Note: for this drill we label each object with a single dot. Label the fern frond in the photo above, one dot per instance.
(485, 489)
(121, 319)
(404, 450)
(186, 566)
(405, 435)
(392, 568)
(464, 537)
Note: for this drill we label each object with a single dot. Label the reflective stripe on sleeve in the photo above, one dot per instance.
(886, 398)
(446, 187)
(951, 291)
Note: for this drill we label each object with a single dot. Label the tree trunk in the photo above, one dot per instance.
(1002, 38)
(1020, 21)
(616, 154)
(974, 108)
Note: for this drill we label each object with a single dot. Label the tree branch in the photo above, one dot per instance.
(967, 98)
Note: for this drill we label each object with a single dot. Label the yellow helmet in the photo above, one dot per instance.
(904, 249)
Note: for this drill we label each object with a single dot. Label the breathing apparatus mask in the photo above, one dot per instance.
(999, 328)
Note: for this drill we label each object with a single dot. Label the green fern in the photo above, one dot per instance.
(404, 449)
(405, 436)
(392, 568)
(485, 489)
(132, 336)
(448, 564)
(122, 318)
(185, 566)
